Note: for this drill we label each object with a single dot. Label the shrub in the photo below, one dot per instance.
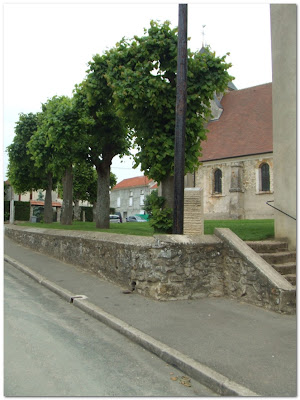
(153, 201)
(22, 210)
(6, 210)
(160, 218)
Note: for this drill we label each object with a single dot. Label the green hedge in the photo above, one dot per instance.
(22, 210)
(88, 214)
(6, 210)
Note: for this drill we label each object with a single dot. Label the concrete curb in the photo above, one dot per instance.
(64, 293)
(203, 374)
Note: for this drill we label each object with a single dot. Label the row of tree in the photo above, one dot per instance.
(127, 99)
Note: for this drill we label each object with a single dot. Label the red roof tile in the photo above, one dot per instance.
(133, 182)
(245, 126)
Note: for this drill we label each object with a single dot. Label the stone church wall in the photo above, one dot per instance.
(241, 197)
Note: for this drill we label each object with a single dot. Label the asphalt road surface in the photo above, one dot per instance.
(52, 348)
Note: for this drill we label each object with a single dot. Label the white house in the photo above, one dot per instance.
(128, 196)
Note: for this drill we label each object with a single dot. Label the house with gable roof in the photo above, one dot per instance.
(128, 196)
(236, 173)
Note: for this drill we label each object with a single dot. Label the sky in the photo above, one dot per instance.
(46, 48)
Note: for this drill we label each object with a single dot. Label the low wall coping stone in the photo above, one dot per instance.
(149, 241)
(99, 236)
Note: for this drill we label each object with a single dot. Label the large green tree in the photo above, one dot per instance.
(85, 187)
(142, 74)
(63, 127)
(21, 172)
(107, 136)
(24, 175)
(84, 175)
(42, 157)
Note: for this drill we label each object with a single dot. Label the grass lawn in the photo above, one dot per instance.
(246, 229)
(130, 228)
(256, 229)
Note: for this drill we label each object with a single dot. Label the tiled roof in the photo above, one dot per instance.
(41, 203)
(245, 126)
(133, 182)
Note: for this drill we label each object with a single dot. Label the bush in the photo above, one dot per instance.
(153, 201)
(160, 218)
(6, 210)
(22, 210)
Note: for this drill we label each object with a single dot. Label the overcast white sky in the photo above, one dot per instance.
(47, 47)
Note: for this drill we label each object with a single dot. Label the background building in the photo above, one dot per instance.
(128, 196)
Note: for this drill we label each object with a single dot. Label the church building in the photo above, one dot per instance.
(236, 172)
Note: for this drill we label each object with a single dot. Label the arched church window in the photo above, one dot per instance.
(265, 177)
(218, 181)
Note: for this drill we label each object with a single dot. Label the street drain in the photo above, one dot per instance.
(129, 291)
(78, 296)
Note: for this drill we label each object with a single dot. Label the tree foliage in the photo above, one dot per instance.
(160, 217)
(142, 73)
(22, 173)
(61, 128)
(107, 135)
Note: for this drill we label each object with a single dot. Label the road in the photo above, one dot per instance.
(52, 348)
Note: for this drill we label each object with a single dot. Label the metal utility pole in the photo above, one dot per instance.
(181, 105)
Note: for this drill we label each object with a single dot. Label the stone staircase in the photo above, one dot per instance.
(276, 253)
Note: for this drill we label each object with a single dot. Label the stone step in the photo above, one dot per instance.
(291, 278)
(280, 257)
(268, 246)
(287, 268)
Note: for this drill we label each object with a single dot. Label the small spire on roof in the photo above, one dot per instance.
(203, 34)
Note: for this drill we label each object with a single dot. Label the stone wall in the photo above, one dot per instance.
(167, 267)
(240, 197)
(249, 277)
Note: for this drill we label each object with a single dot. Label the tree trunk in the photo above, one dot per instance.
(77, 210)
(48, 211)
(167, 191)
(103, 201)
(67, 206)
(94, 211)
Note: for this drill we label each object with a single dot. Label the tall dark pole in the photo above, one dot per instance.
(181, 96)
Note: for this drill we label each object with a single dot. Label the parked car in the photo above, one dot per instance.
(114, 218)
(135, 218)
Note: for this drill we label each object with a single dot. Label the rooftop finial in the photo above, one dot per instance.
(203, 34)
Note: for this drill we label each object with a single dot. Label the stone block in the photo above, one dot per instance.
(193, 211)
(176, 278)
